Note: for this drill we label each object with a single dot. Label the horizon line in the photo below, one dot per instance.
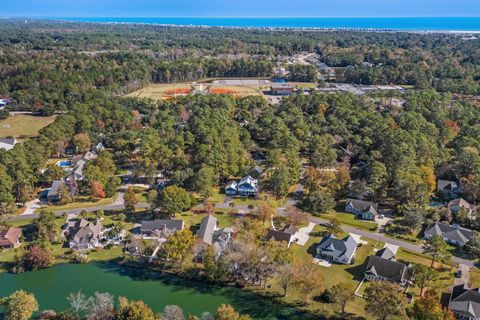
(237, 17)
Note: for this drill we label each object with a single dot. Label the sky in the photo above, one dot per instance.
(240, 8)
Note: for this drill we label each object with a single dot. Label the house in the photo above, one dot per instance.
(338, 250)
(465, 303)
(161, 228)
(207, 229)
(231, 188)
(210, 234)
(7, 143)
(365, 210)
(448, 189)
(53, 194)
(84, 234)
(453, 234)
(288, 234)
(381, 269)
(10, 238)
(281, 89)
(460, 203)
(247, 186)
(77, 172)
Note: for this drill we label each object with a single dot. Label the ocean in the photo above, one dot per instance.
(401, 24)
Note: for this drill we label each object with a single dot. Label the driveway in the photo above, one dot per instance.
(32, 205)
(465, 278)
(303, 234)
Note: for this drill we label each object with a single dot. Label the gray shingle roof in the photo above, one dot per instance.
(336, 247)
(451, 232)
(362, 204)
(446, 185)
(55, 189)
(161, 224)
(465, 301)
(207, 229)
(392, 270)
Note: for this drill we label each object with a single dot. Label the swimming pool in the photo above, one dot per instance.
(64, 163)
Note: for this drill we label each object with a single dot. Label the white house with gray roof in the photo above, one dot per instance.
(338, 250)
(453, 234)
(365, 210)
(246, 187)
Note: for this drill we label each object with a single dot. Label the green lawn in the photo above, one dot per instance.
(192, 219)
(82, 202)
(349, 219)
(23, 125)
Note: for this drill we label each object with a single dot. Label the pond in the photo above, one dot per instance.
(52, 286)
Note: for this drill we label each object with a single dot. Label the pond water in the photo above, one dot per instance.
(52, 286)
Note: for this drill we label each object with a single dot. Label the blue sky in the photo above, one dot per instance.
(241, 8)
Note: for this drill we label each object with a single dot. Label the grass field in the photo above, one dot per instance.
(23, 126)
(159, 91)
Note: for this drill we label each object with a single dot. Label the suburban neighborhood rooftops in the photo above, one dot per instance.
(207, 229)
(161, 224)
(10, 236)
(87, 231)
(338, 247)
(451, 232)
(388, 269)
(465, 301)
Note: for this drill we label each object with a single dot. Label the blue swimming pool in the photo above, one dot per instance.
(64, 163)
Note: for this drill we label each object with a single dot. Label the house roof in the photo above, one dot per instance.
(231, 185)
(462, 203)
(55, 189)
(446, 185)
(362, 204)
(451, 232)
(207, 229)
(10, 236)
(278, 235)
(388, 269)
(465, 301)
(7, 143)
(160, 224)
(87, 231)
(385, 253)
(336, 247)
(248, 180)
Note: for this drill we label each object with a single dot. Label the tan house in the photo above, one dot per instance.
(10, 238)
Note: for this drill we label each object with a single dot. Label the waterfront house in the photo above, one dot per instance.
(210, 234)
(10, 238)
(448, 189)
(337, 250)
(364, 210)
(161, 228)
(465, 302)
(453, 234)
(84, 234)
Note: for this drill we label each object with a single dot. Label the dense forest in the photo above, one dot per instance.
(47, 66)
